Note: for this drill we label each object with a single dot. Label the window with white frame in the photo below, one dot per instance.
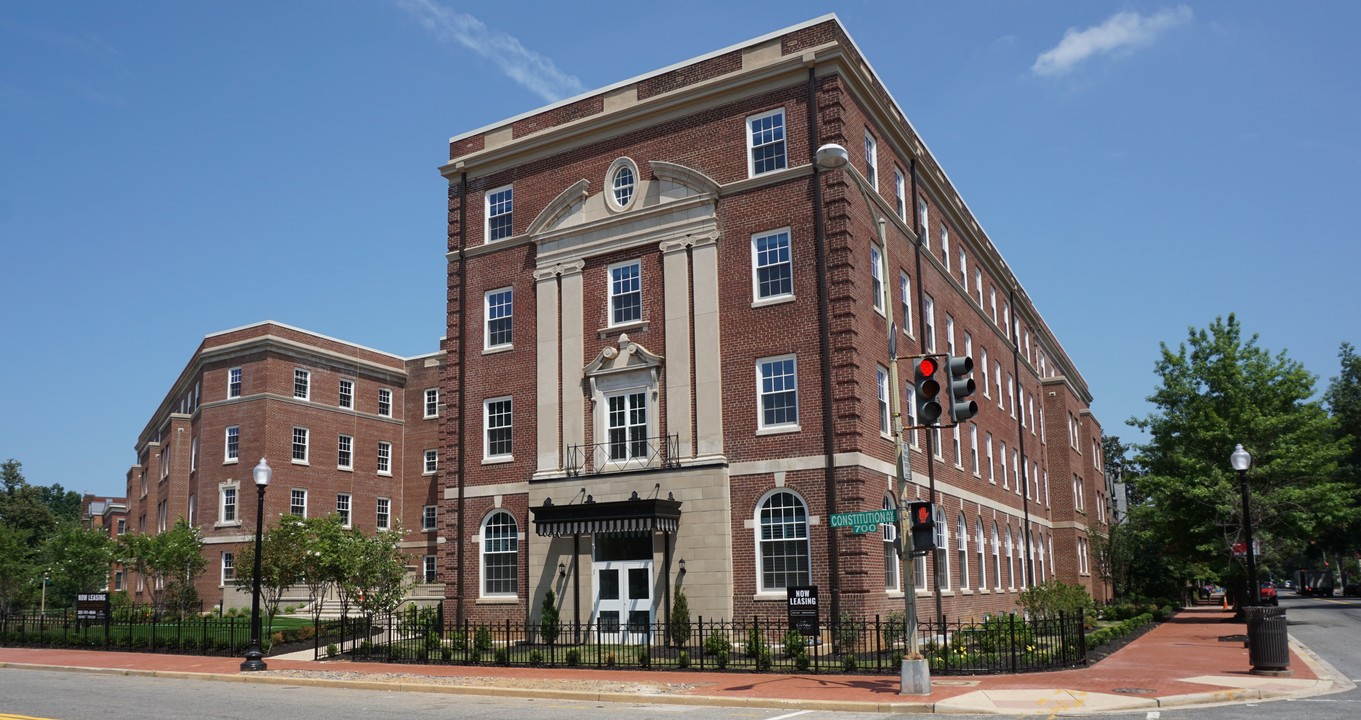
(428, 518)
(1002, 455)
(883, 399)
(955, 446)
(499, 308)
(431, 573)
(626, 293)
(978, 285)
(1011, 549)
(346, 393)
(987, 391)
(190, 511)
(626, 425)
(905, 302)
(297, 502)
(1021, 556)
(431, 402)
(193, 454)
(992, 303)
(919, 573)
(997, 374)
(623, 180)
(782, 541)
(996, 558)
(499, 206)
(945, 247)
(973, 447)
(1011, 390)
(162, 511)
(384, 457)
(942, 547)
(1020, 471)
(929, 318)
(343, 508)
(964, 270)
(980, 554)
(233, 444)
(227, 504)
(765, 143)
(302, 384)
(385, 402)
(950, 334)
(910, 408)
(899, 194)
(877, 277)
(500, 555)
(939, 451)
(300, 445)
(772, 266)
(962, 533)
(430, 462)
(923, 221)
(992, 476)
(871, 160)
(234, 382)
(777, 387)
(345, 453)
(228, 568)
(496, 424)
(383, 513)
(890, 532)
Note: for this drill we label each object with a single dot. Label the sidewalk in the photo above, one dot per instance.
(1182, 662)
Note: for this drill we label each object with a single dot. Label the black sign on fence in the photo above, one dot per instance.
(92, 606)
(803, 609)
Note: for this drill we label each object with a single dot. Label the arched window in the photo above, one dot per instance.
(500, 555)
(962, 530)
(942, 548)
(1011, 549)
(890, 550)
(782, 542)
(980, 550)
(1039, 552)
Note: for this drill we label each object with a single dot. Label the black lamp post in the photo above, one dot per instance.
(1241, 461)
(253, 654)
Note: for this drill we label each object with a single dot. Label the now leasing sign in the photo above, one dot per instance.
(864, 522)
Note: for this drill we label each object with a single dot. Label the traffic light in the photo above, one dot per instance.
(927, 389)
(921, 517)
(961, 387)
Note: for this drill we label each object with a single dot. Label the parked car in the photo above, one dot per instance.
(1268, 594)
(1351, 590)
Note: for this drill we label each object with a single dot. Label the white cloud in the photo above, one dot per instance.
(529, 69)
(1121, 31)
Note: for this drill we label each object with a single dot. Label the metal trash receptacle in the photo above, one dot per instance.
(1268, 640)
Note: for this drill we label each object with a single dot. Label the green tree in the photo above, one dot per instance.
(550, 625)
(169, 562)
(1218, 390)
(18, 571)
(77, 560)
(375, 577)
(23, 506)
(64, 504)
(282, 563)
(322, 564)
(1344, 403)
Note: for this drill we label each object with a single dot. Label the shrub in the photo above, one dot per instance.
(573, 658)
(755, 642)
(644, 657)
(536, 657)
(446, 653)
(502, 656)
(895, 659)
(764, 658)
(331, 650)
(683, 660)
(801, 661)
(549, 625)
(716, 644)
(680, 620)
(794, 644)
(458, 640)
(1052, 597)
(609, 659)
(849, 663)
(306, 632)
(482, 638)
(894, 628)
(847, 633)
(276, 639)
(475, 656)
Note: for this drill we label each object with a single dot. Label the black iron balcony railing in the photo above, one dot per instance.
(624, 452)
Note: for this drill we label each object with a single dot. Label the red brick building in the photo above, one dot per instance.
(667, 363)
(345, 428)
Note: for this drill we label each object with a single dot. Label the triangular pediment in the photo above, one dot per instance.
(629, 356)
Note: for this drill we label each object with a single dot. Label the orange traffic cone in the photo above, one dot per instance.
(1226, 602)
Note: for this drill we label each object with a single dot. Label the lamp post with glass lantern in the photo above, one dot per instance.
(1241, 461)
(253, 660)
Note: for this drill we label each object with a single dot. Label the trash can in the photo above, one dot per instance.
(1268, 641)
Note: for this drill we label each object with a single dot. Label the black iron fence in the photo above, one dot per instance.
(1000, 644)
(624, 453)
(142, 630)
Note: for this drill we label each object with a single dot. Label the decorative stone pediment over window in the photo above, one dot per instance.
(637, 363)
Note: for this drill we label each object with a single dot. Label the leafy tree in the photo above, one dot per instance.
(23, 506)
(376, 579)
(282, 563)
(64, 504)
(77, 560)
(18, 571)
(1344, 402)
(1218, 390)
(322, 565)
(169, 562)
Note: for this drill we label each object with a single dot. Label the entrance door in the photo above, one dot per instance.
(623, 588)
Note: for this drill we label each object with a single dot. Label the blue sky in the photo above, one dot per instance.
(172, 169)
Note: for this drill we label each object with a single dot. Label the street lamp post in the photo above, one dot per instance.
(1241, 461)
(253, 654)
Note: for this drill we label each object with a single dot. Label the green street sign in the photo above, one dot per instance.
(867, 521)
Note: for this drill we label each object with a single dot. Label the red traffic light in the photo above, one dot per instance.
(927, 366)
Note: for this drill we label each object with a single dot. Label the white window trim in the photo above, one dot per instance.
(378, 517)
(609, 280)
(306, 445)
(340, 441)
(482, 556)
(746, 129)
(226, 445)
(883, 408)
(426, 404)
(379, 455)
(425, 461)
(486, 321)
(487, 457)
(239, 375)
(349, 509)
(871, 160)
(389, 392)
(761, 427)
(905, 301)
(222, 488)
(223, 564)
(486, 213)
(341, 395)
(877, 265)
(756, 299)
(433, 517)
(304, 501)
(307, 383)
(611, 202)
(759, 562)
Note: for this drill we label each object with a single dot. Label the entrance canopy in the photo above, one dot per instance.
(634, 516)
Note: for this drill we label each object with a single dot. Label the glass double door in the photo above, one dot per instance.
(623, 589)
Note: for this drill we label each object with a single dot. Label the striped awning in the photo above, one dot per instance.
(623, 517)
